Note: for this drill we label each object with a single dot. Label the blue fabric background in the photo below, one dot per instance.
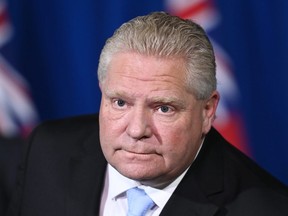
(56, 46)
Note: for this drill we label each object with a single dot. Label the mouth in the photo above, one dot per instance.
(137, 150)
(138, 154)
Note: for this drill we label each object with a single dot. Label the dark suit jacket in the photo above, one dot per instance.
(63, 173)
(10, 151)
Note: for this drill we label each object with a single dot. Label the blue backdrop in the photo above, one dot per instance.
(56, 46)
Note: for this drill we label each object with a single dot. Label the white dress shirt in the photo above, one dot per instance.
(114, 201)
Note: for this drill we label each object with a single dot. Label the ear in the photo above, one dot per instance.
(209, 110)
(100, 86)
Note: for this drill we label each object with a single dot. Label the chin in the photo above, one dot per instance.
(137, 172)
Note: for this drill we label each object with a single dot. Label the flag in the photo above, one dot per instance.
(17, 112)
(229, 120)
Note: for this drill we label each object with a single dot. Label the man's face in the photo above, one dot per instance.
(151, 126)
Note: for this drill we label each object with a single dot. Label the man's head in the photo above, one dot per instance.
(157, 77)
(162, 35)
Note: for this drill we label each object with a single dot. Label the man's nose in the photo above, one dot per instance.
(139, 125)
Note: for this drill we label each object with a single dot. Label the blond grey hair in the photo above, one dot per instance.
(162, 35)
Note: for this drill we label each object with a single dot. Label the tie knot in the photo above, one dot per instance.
(138, 202)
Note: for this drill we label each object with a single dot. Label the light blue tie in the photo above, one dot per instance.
(138, 202)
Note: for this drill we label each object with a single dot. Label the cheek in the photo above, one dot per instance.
(111, 131)
(106, 132)
(171, 140)
(179, 130)
(181, 138)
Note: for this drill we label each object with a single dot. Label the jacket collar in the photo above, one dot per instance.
(202, 184)
(87, 174)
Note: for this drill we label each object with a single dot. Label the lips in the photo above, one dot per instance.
(139, 152)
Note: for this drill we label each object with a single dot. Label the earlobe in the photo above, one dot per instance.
(209, 111)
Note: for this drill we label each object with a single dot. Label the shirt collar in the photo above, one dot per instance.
(161, 196)
(119, 184)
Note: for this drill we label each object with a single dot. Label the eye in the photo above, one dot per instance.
(165, 109)
(120, 103)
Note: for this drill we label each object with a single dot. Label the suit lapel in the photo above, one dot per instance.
(195, 205)
(87, 172)
(189, 199)
(199, 191)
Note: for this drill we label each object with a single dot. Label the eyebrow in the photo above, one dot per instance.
(169, 100)
(113, 93)
(172, 100)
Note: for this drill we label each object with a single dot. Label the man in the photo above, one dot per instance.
(159, 98)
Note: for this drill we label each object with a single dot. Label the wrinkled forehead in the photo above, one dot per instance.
(146, 66)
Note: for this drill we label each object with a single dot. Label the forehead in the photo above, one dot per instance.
(136, 77)
(142, 67)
